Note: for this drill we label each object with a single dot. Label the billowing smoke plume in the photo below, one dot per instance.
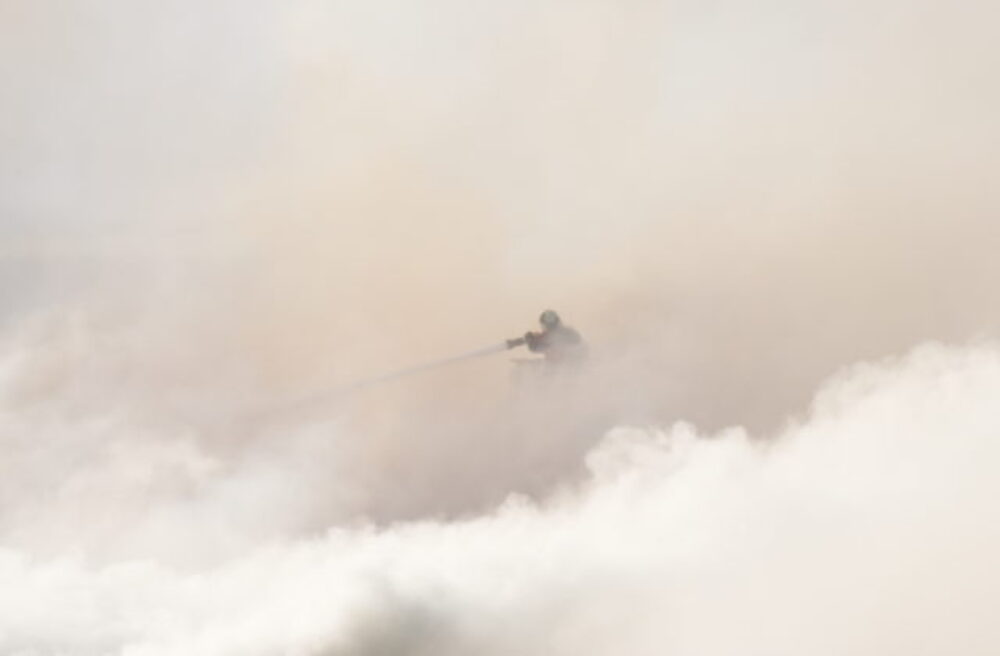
(868, 527)
(212, 211)
(234, 203)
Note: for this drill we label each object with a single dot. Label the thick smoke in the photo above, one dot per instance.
(866, 528)
(243, 203)
(213, 210)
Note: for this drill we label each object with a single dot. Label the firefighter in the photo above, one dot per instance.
(559, 343)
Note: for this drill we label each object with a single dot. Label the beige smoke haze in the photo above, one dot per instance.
(210, 211)
(869, 528)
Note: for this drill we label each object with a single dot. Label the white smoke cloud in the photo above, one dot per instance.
(209, 208)
(867, 527)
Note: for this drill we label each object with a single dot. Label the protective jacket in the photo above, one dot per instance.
(559, 344)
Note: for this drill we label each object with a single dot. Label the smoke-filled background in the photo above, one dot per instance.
(216, 217)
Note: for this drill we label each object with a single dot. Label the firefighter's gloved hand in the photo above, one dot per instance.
(531, 339)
